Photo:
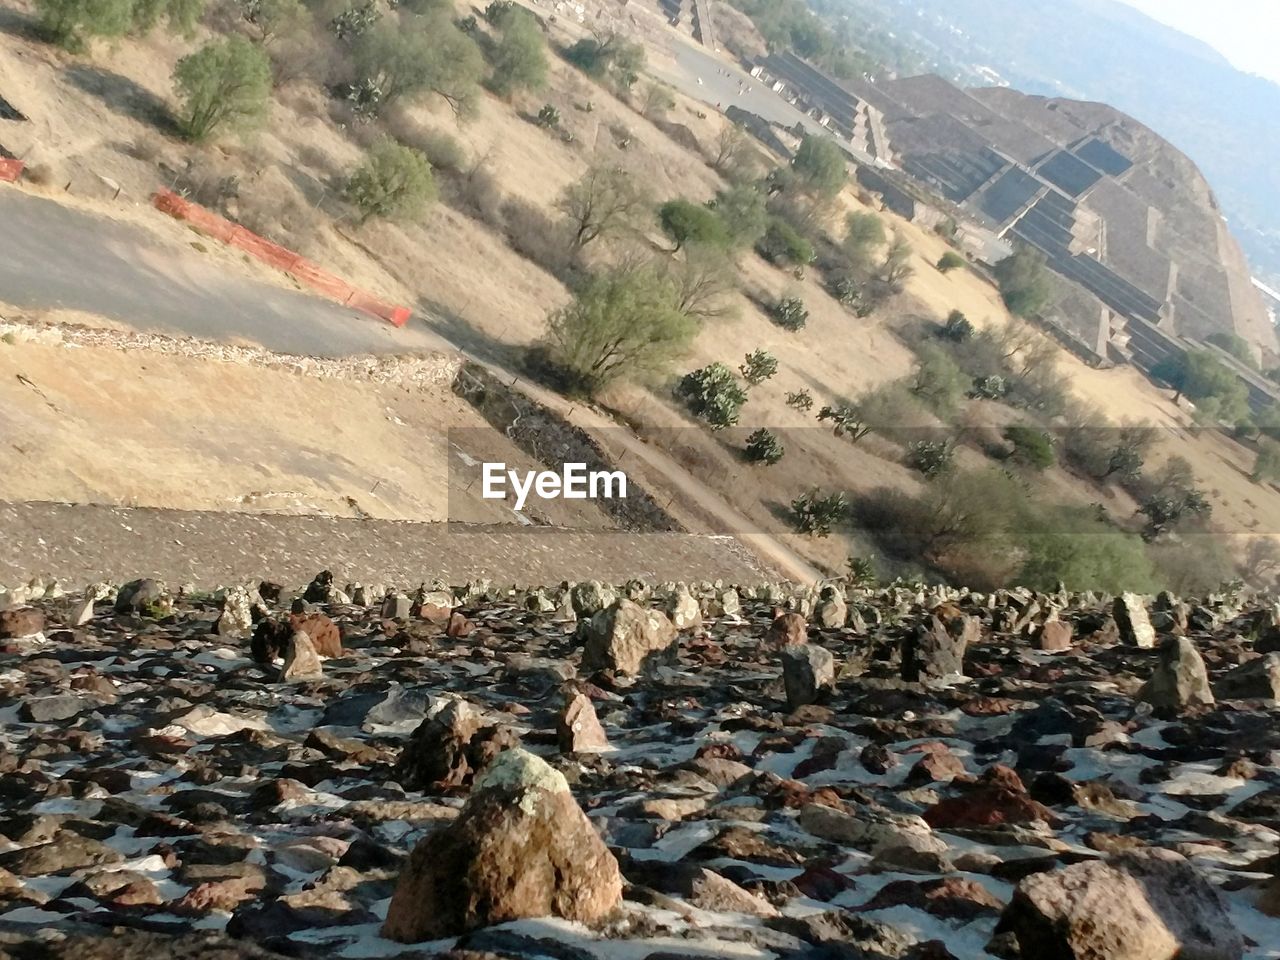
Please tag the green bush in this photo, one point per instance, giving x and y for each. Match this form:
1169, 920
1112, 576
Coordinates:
817, 515
691, 223
741, 208
764, 447
937, 381
622, 322
355, 22
1266, 467
957, 329
932, 458
848, 420
783, 244
519, 57
790, 313
226, 83
1031, 447
548, 117
1024, 282
712, 394
393, 182
429, 56
950, 261
758, 367
1074, 548
820, 165
861, 572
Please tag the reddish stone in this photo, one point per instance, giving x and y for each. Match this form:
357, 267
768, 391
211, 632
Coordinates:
986, 806
788, 629
458, 626
719, 751
989, 706
823, 883
323, 632
951, 898
938, 763
1053, 636
20, 622
434, 612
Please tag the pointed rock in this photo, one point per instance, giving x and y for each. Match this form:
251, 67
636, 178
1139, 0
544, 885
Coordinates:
301, 662
579, 729
521, 848
808, 672
1132, 621
1180, 679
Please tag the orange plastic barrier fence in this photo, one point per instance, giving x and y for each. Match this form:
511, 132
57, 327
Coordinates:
302, 270
10, 170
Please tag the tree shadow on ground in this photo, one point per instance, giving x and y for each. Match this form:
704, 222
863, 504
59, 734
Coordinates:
124, 96
18, 24
465, 335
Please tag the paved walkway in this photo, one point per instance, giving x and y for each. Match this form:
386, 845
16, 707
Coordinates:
82, 543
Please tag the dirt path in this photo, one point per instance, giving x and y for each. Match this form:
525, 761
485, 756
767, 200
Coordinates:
80, 543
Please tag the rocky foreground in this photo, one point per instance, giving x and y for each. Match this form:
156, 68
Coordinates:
637, 773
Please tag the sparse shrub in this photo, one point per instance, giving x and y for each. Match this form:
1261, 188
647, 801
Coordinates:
1166, 510
758, 367
713, 394
801, 400
852, 295
273, 19
950, 261
537, 237
497, 11
861, 572
621, 322
442, 149
393, 182
356, 21
657, 101
1031, 447
848, 420
223, 84
957, 329
549, 117
817, 515
783, 244
704, 278
896, 267
741, 208
993, 387
764, 447
930, 457
937, 381
790, 313
863, 232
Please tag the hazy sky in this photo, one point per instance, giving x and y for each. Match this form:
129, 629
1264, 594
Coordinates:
1246, 32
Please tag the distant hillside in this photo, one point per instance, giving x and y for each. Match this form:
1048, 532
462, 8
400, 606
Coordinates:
1102, 50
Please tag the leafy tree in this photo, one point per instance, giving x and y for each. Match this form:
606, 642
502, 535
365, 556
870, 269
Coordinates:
604, 202
1133, 442
849, 421
1235, 345
937, 381
1203, 379
224, 83
433, 58
1024, 282
71, 23
930, 457
741, 208
801, 400
1031, 447
758, 367
1266, 468
1078, 550
180, 16
764, 447
713, 394
394, 182
622, 322
820, 165
782, 243
950, 261
957, 329
863, 232
519, 58
691, 223
790, 313
1164, 511
896, 267
608, 56
816, 515
273, 19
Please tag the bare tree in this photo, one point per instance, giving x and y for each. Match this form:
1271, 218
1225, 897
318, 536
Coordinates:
729, 144
605, 201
